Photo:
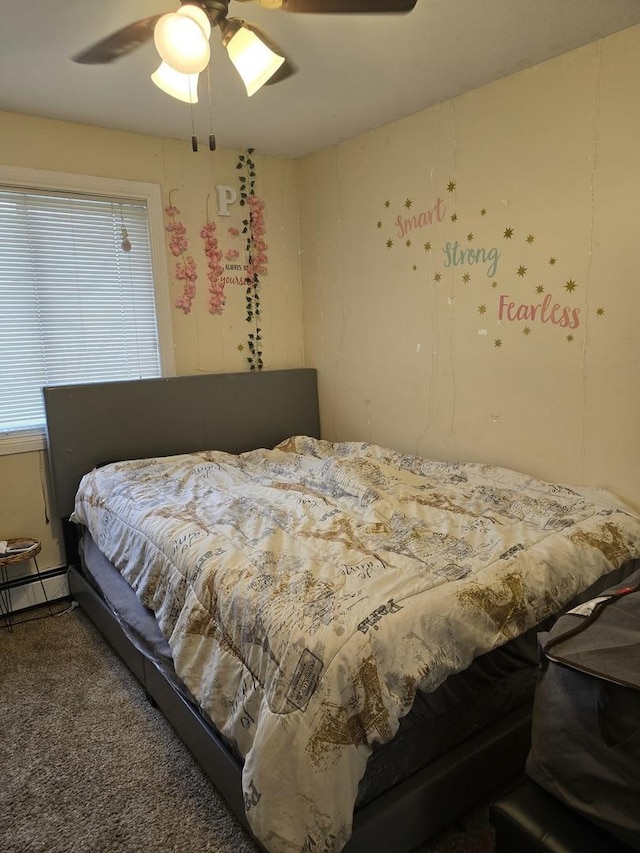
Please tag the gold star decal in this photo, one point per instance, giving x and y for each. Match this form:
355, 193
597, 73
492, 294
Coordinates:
569, 338
522, 271
437, 276
599, 311
389, 244
494, 284
466, 278
497, 343
508, 233
379, 224
570, 286
482, 309
240, 347
427, 247
408, 243
552, 261
540, 288
530, 239
414, 267
470, 236
526, 330
483, 212
454, 217
408, 203
387, 203
451, 186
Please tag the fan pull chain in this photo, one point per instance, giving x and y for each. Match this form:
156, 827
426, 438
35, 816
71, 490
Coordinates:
194, 138
212, 139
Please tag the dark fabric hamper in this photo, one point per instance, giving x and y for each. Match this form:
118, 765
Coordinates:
586, 723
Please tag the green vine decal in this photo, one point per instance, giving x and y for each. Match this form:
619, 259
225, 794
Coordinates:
256, 250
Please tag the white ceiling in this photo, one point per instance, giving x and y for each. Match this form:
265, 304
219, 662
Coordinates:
355, 72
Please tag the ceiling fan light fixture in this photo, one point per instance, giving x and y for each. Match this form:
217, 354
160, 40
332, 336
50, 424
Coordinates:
184, 87
197, 14
254, 55
182, 43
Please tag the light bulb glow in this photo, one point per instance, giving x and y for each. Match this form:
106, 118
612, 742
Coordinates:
184, 87
182, 43
198, 15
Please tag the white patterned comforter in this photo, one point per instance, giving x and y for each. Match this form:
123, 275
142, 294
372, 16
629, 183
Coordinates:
308, 591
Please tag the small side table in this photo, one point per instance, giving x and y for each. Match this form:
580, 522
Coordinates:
18, 550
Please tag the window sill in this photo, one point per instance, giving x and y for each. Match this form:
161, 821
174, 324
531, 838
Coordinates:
22, 442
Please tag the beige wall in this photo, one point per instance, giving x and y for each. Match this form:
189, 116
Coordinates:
432, 367
202, 342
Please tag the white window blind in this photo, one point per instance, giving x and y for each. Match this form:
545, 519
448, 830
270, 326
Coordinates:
74, 306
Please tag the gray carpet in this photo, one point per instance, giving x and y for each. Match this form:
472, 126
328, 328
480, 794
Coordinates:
89, 766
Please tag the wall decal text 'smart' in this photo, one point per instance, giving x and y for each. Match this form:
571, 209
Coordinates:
455, 254
518, 281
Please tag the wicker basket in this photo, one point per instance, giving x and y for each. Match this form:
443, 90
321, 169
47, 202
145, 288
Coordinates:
28, 549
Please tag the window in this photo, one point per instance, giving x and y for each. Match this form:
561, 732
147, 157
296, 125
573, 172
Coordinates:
75, 304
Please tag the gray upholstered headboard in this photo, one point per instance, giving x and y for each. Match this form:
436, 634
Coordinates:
88, 425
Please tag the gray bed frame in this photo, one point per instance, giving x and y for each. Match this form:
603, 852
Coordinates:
89, 425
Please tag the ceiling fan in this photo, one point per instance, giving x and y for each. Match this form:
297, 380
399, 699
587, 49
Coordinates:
182, 40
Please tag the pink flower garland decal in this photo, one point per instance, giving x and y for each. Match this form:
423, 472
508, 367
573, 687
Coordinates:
185, 267
258, 252
215, 269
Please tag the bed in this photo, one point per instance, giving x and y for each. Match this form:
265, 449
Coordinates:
399, 743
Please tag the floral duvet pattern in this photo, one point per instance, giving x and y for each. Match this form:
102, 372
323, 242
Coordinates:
308, 591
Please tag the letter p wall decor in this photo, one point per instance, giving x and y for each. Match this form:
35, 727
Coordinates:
226, 196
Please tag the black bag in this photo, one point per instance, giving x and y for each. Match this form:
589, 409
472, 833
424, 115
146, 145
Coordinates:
586, 721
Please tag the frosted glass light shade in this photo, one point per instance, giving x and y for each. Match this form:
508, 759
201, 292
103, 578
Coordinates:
184, 87
182, 44
198, 15
255, 60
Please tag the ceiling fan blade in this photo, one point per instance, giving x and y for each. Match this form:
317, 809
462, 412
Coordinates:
119, 43
348, 7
